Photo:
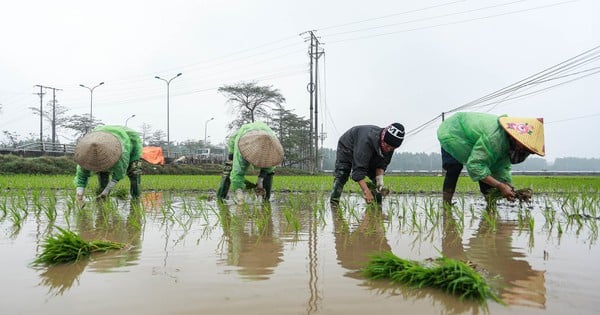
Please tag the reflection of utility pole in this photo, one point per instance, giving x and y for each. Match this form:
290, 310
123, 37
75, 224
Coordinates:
313, 270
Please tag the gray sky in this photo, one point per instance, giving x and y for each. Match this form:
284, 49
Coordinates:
384, 61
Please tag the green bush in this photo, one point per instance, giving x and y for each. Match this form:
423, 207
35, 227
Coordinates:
12, 164
49, 165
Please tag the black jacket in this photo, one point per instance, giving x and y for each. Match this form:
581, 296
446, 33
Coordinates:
359, 149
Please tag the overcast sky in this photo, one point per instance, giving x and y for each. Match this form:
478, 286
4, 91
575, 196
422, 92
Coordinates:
384, 61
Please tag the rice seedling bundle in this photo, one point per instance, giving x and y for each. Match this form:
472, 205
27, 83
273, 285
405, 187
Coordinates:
449, 275
67, 246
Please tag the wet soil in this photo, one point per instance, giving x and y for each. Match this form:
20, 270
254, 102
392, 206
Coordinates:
191, 256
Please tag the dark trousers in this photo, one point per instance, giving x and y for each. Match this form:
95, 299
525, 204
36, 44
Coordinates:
453, 169
135, 182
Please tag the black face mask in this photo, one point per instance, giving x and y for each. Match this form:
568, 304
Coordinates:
517, 156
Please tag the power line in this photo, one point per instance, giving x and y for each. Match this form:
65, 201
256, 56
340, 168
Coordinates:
391, 15
449, 23
586, 57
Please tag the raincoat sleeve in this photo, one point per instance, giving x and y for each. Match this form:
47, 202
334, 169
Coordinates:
360, 159
487, 159
502, 171
239, 165
81, 177
136, 145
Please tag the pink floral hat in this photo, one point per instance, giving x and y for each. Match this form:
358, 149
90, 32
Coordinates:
527, 131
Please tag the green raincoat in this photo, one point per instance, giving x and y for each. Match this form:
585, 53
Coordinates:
240, 165
131, 150
478, 141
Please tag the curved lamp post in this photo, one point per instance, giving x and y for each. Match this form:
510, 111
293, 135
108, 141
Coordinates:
168, 96
126, 120
91, 100
205, 125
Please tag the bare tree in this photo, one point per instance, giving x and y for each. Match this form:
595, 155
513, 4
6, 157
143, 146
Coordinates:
250, 101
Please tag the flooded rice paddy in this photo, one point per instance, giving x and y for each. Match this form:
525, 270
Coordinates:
186, 254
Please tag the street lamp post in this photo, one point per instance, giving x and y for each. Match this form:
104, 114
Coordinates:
126, 120
205, 125
168, 84
91, 101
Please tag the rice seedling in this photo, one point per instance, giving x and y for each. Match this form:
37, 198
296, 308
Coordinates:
67, 246
451, 276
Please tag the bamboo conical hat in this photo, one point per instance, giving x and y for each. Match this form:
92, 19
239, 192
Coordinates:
527, 131
98, 151
261, 148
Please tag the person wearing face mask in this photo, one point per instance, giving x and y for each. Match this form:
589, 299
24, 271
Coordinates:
488, 145
365, 151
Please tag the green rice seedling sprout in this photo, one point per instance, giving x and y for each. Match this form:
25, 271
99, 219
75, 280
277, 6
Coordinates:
449, 275
67, 246
491, 217
3, 207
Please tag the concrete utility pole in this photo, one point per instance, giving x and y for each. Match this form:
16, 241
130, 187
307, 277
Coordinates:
312, 87
317, 55
41, 94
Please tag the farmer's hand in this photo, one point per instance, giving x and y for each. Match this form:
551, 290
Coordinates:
79, 196
507, 191
368, 196
239, 196
259, 190
379, 182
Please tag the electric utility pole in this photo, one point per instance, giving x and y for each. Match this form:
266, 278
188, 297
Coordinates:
41, 94
313, 135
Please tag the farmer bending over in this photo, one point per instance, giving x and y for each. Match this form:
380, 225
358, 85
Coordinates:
365, 151
253, 144
109, 151
487, 145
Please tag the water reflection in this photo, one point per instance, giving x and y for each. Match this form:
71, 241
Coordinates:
353, 245
491, 250
250, 241
106, 224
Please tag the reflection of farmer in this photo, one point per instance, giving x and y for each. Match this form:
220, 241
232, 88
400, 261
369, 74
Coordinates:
365, 151
253, 144
113, 226
487, 145
353, 248
108, 225
254, 249
493, 252
110, 151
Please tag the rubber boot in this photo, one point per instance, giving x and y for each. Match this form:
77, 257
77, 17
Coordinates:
135, 181
267, 185
447, 195
378, 198
134, 172
103, 179
223, 187
225, 181
336, 193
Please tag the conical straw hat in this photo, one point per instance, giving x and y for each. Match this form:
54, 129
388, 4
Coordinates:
98, 151
527, 131
261, 148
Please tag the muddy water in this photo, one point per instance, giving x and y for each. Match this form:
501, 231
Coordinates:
191, 256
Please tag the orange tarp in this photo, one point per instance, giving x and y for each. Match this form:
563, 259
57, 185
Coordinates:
153, 155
